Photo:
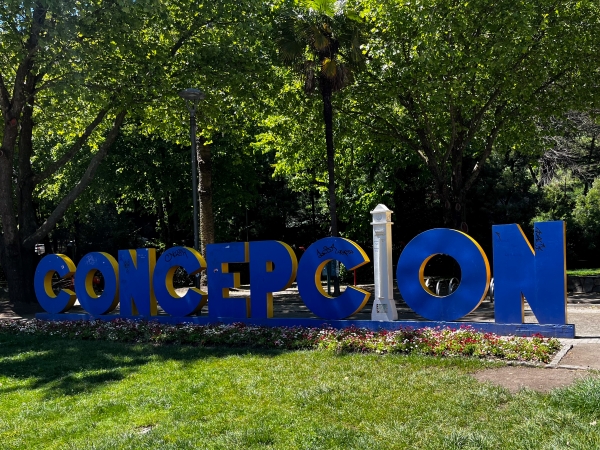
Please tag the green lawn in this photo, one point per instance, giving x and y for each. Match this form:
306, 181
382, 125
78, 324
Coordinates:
57, 393
584, 272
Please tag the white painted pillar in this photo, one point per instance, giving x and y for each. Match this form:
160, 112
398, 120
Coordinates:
384, 307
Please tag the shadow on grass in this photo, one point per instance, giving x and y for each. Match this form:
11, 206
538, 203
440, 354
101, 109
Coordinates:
68, 367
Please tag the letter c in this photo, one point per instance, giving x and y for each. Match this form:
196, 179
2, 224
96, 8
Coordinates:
309, 278
42, 284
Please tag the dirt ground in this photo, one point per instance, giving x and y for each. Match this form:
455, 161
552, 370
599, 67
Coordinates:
515, 378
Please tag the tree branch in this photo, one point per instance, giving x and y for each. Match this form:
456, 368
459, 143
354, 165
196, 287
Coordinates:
85, 180
4, 97
425, 150
18, 100
190, 32
489, 145
475, 122
56, 165
533, 175
452, 142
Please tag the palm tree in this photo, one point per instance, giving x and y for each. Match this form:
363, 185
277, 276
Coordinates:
321, 40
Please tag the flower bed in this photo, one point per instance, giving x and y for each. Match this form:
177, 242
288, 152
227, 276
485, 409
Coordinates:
464, 341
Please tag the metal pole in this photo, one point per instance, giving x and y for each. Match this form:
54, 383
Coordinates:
195, 186
247, 239
191, 97
194, 177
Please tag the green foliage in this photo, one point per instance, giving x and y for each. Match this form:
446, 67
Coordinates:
570, 143
505, 193
586, 215
368, 167
557, 202
426, 341
136, 56
448, 93
143, 193
565, 198
250, 202
322, 42
321, 39
559, 198
453, 81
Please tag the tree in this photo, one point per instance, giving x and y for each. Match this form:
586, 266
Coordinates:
454, 80
321, 39
56, 58
586, 215
572, 141
69, 74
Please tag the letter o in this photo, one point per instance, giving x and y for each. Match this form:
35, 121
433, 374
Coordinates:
475, 274
84, 283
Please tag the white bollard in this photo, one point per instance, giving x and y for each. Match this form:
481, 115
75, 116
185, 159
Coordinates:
384, 307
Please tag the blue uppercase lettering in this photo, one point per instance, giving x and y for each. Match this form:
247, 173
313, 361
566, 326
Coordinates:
534, 272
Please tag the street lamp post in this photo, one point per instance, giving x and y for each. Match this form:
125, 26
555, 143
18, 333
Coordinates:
192, 97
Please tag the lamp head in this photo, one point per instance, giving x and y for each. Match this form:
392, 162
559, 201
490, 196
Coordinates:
192, 95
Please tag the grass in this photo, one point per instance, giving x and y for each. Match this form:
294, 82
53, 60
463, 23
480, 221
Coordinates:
60, 394
584, 272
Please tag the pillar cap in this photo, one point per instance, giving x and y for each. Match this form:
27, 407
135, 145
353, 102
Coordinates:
381, 214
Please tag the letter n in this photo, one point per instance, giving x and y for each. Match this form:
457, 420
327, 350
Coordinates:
136, 293
537, 274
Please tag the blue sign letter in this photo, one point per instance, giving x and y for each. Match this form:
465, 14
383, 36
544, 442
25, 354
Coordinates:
84, 283
537, 274
309, 278
192, 262
220, 280
42, 284
273, 266
136, 293
474, 268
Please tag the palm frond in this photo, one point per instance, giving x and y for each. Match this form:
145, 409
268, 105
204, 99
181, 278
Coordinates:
310, 79
343, 77
290, 40
328, 8
329, 68
355, 17
320, 41
290, 50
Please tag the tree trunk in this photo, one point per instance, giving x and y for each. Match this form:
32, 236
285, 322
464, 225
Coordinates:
586, 186
169, 208
313, 220
19, 268
326, 92
17, 264
454, 202
19, 232
207, 222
